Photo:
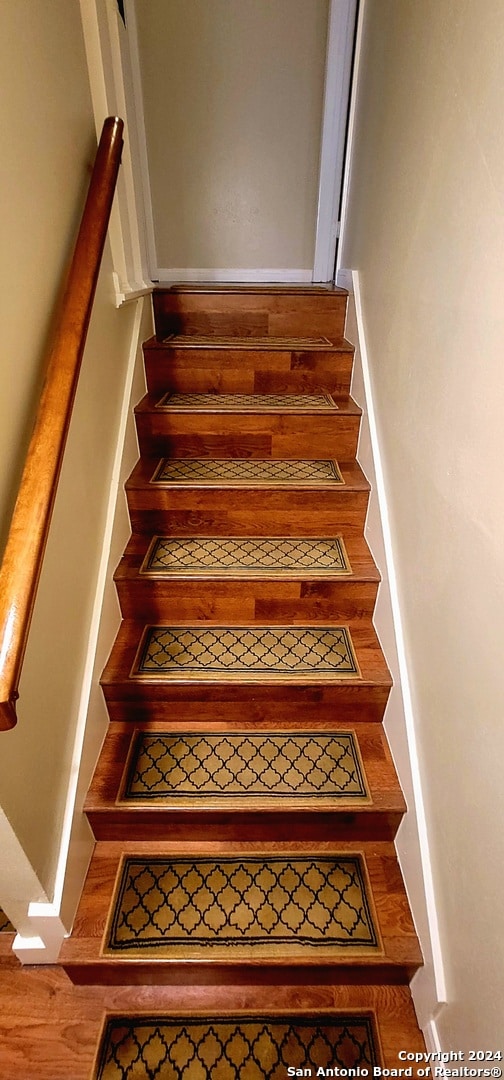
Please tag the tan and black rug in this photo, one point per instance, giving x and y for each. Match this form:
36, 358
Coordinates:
233, 766
234, 1047
247, 472
234, 907
216, 341
251, 653
246, 556
256, 403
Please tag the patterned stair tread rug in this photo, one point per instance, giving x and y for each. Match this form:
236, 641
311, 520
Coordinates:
236, 908
6, 926
223, 341
247, 556
256, 403
233, 1047
246, 653
248, 472
229, 767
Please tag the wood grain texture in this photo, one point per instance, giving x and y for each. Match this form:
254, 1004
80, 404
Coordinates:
189, 509
251, 311
24, 553
231, 599
396, 960
378, 819
254, 371
168, 432
49, 1028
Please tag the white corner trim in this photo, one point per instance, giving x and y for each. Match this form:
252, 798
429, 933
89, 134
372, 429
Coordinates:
428, 986
35, 951
163, 274
52, 910
336, 93
344, 280
133, 291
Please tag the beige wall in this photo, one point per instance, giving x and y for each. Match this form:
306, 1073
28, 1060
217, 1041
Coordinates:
426, 233
48, 143
233, 96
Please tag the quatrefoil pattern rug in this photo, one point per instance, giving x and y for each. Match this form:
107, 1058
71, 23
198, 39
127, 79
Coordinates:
233, 1047
184, 768
256, 403
202, 907
246, 556
253, 653
248, 472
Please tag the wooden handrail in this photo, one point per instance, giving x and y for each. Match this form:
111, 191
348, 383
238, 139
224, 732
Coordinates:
26, 543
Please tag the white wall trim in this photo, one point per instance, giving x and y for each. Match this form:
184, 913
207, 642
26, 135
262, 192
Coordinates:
79, 870
352, 114
428, 986
340, 39
41, 933
163, 274
143, 157
111, 81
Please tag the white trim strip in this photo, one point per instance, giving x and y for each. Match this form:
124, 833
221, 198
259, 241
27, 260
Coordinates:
86, 686
163, 275
434, 932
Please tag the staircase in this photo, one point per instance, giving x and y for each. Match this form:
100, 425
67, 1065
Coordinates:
245, 802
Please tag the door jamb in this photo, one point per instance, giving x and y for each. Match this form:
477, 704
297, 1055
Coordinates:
340, 42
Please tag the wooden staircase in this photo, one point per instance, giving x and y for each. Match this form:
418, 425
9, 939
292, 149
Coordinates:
245, 758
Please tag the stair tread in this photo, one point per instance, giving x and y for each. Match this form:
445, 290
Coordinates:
235, 341
379, 788
247, 557
386, 935
173, 402
260, 344
316, 289
274, 405
321, 477
129, 641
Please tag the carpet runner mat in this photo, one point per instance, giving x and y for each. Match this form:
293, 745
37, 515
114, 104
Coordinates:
255, 472
257, 653
264, 767
234, 1047
239, 908
256, 403
6, 926
214, 341
246, 556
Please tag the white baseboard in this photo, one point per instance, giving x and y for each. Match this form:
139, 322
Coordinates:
42, 931
428, 986
431, 1036
169, 274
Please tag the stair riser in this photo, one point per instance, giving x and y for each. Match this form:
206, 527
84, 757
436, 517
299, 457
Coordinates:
139, 973
253, 314
136, 824
346, 704
205, 371
242, 435
273, 601
246, 512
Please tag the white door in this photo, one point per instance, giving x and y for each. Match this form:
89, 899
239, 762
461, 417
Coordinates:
244, 107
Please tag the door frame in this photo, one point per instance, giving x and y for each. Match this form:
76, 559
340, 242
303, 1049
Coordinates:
114, 74
340, 48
